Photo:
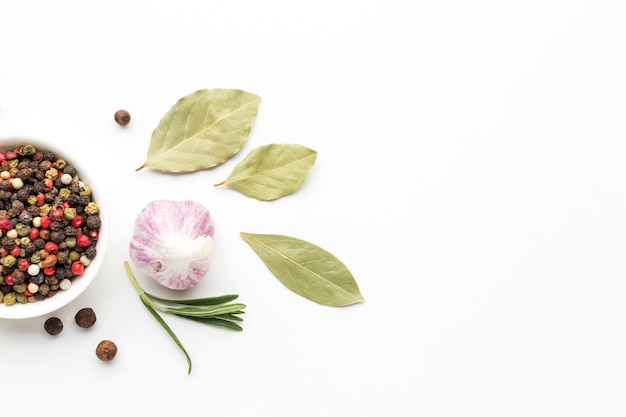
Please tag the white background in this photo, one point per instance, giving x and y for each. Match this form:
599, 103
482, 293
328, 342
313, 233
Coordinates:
470, 174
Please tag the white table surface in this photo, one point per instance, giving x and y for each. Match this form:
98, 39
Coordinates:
470, 174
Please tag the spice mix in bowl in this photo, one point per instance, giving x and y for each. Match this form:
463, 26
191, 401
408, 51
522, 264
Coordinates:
53, 231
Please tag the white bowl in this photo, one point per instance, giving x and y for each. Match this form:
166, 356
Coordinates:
81, 282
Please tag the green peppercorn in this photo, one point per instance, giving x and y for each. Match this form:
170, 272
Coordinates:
44, 209
64, 193
9, 299
9, 261
44, 289
22, 229
70, 242
70, 212
26, 150
61, 163
84, 190
92, 208
52, 173
35, 258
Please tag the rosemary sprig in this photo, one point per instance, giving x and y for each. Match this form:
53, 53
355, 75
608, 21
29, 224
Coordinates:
214, 311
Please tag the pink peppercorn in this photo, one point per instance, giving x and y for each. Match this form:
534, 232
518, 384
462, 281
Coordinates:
23, 264
33, 233
16, 251
51, 247
45, 222
78, 221
8, 279
77, 267
49, 271
5, 225
56, 213
47, 183
82, 241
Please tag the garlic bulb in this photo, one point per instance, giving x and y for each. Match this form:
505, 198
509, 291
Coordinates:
172, 242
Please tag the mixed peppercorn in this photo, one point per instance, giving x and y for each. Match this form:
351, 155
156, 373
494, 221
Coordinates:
49, 225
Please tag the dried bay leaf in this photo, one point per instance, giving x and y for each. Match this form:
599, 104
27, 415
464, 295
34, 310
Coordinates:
272, 171
202, 130
306, 269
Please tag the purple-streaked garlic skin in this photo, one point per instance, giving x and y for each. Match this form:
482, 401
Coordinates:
172, 242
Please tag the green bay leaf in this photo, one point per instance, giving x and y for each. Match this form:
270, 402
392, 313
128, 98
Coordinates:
202, 130
272, 171
306, 269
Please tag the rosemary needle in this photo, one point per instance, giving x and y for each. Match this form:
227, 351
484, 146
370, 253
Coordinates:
215, 311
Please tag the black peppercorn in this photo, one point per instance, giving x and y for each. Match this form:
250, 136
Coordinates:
83, 200
93, 222
85, 317
37, 279
70, 170
69, 231
122, 117
33, 210
61, 273
91, 252
106, 350
57, 236
22, 194
53, 326
39, 243
25, 217
63, 256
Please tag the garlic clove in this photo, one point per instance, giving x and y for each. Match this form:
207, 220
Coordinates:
172, 242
